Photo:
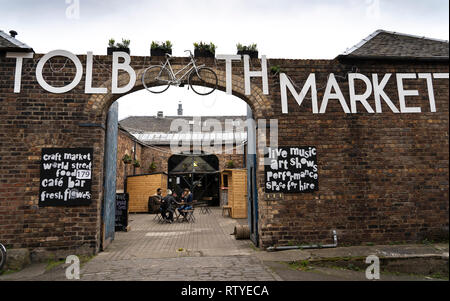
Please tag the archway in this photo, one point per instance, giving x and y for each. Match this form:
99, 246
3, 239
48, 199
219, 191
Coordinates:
258, 104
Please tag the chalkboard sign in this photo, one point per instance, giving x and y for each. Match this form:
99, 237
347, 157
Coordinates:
66, 177
291, 170
121, 211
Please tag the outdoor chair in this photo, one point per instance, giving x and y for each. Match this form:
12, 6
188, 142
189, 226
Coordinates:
187, 215
158, 217
203, 207
226, 209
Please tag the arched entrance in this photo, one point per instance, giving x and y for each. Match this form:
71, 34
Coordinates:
258, 107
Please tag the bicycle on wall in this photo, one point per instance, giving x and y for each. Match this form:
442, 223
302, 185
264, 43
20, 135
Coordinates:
2, 256
201, 79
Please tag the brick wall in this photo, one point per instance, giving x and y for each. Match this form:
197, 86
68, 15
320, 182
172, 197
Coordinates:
382, 177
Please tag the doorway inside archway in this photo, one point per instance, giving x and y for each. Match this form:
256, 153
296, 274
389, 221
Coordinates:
199, 173
145, 136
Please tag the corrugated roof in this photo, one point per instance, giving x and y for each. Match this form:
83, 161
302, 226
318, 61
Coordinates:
10, 44
156, 130
153, 124
166, 139
393, 45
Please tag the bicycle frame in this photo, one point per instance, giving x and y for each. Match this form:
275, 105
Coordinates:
176, 80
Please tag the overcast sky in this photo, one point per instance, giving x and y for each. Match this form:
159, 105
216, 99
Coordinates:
301, 29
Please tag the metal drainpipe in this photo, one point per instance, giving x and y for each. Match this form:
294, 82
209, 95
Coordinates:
135, 151
283, 248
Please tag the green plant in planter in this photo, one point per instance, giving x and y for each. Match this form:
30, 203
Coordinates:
251, 47
167, 45
124, 44
127, 159
251, 50
112, 43
160, 48
204, 49
152, 166
230, 164
136, 163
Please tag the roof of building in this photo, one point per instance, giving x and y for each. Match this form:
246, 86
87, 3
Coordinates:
156, 130
10, 44
398, 46
154, 124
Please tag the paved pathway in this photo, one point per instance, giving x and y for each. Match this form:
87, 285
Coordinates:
203, 250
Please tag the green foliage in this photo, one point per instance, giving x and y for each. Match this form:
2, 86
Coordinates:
127, 159
166, 46
51, 263
124, 44
136, 163
251, 47
275, 69
205, 47
300, 265
111, 42
152, 166
230, 164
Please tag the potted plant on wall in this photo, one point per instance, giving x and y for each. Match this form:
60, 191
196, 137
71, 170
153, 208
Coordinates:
111, 46
204, 50
127, 159
123, 46
251, 50
230, 164
152, 166
160, 48
136, 163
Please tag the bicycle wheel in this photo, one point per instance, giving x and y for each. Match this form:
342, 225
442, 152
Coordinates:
203, 81
156, 79
2, 256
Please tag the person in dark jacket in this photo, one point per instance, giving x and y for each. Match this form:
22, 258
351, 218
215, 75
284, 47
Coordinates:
154, 201
168, 205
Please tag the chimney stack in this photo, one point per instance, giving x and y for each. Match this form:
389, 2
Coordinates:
180, 109
160, 114
13, 33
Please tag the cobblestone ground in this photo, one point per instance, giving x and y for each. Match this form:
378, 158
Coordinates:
198, 251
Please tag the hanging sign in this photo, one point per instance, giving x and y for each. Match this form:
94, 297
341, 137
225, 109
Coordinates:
66, 177
291, 170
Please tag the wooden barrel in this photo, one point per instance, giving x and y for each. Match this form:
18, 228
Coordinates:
241, 232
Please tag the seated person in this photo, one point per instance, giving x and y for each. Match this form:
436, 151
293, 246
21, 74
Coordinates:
168, 206
187, 200
154, 201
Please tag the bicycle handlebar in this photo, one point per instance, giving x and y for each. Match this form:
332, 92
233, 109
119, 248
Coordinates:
190, 52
